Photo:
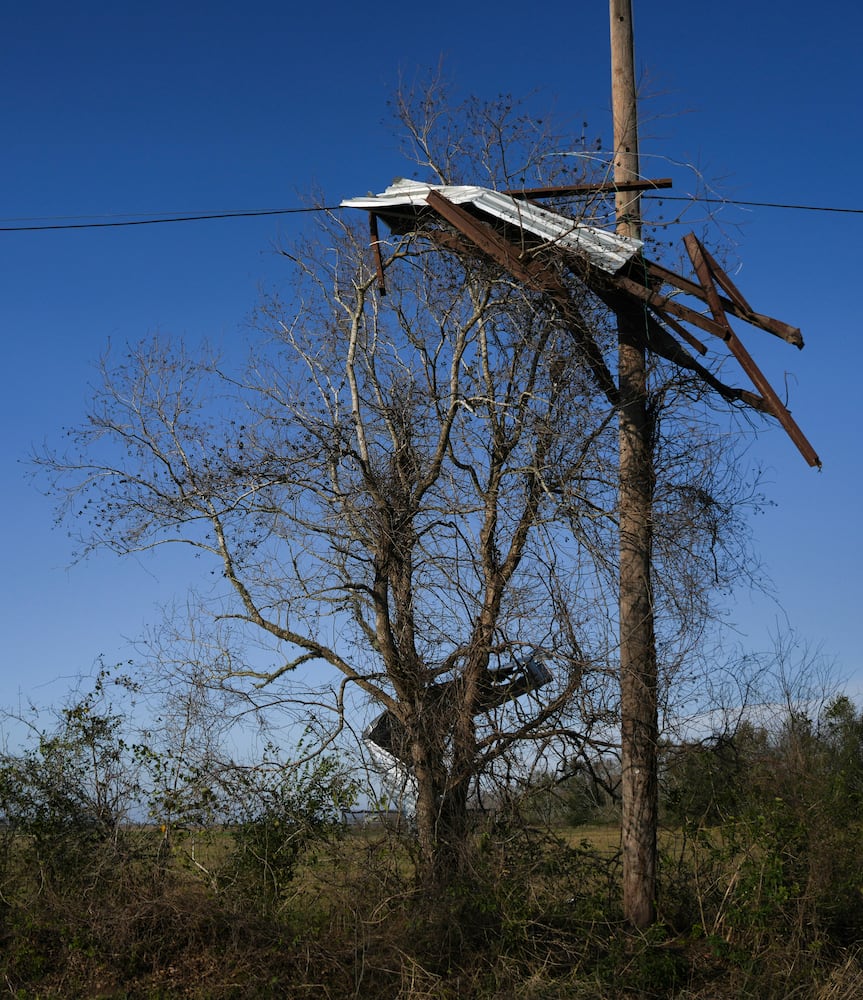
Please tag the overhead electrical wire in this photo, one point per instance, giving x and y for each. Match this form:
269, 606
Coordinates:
119, 221
735, 202
159, 220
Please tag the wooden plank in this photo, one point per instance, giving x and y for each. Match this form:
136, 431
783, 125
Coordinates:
602, 187
664, 304
790, 334
759, 380
376, 250
682, 332
678, 281
659, 341
726, 283
535, 275
486, 239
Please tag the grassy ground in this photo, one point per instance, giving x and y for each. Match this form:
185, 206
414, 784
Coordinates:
536, 917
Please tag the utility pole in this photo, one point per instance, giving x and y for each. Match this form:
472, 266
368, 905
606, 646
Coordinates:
638, 674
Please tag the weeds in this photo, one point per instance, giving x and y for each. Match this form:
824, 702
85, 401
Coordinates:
760, 895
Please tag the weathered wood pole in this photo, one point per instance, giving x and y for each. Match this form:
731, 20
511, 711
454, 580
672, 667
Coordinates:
639, 784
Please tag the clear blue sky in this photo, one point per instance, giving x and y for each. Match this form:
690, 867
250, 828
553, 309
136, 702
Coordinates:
157, 107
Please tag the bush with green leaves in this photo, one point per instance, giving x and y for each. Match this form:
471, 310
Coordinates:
69, 794
769, 877
276, 812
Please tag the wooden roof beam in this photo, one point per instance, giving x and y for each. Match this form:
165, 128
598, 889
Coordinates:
736, 305
663, 304
703, 270
658, 340
535, 275
602, 187
376, 250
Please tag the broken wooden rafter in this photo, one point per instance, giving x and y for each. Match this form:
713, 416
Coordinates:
663, 304
701, 262
602, 187
735, 304
659, 341
376, 250
535, 275
684, 334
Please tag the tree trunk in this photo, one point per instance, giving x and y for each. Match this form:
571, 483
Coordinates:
443, 779
442, 833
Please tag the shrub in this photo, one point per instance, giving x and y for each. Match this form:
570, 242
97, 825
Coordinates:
276, 813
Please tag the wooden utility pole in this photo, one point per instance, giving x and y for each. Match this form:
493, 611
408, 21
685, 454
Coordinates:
639, 727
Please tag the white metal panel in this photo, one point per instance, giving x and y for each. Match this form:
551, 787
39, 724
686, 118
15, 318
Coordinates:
605, 250
405, 192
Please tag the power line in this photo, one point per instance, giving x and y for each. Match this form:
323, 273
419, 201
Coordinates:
734, 202
159, 220
119, 222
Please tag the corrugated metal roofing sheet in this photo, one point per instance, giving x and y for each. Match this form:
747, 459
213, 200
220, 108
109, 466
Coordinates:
605, 250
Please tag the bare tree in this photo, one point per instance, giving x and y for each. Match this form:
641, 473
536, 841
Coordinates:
381, 490
413, 492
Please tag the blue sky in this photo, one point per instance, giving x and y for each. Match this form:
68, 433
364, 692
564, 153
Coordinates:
144, 108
